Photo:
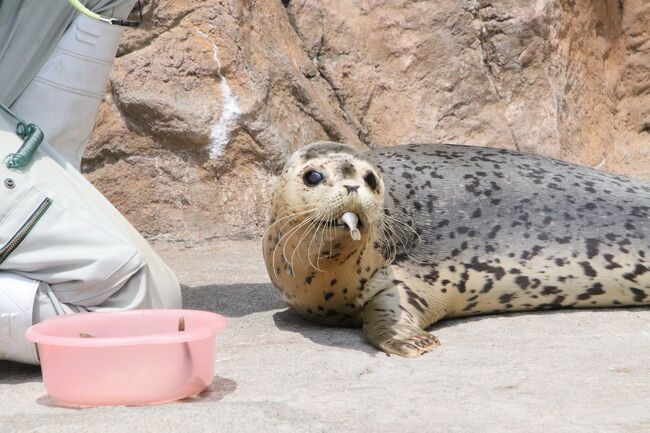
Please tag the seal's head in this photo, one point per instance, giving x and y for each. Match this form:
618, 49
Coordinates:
325, 210
333, 185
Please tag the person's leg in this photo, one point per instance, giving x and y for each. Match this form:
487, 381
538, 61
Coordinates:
64, 97
55, 228
17, 295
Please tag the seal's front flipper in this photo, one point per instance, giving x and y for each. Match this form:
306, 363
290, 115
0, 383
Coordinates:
394, 321
403, 340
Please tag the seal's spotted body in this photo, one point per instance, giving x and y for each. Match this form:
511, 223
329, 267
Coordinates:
505, 231
496, 231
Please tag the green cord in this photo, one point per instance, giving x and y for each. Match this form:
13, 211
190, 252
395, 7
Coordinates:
32, 137
95, 16
84, 10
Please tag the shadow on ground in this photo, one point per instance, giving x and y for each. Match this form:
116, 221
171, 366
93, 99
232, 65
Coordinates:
451, 322
238, 300
233, 300
351, 338
342, 338
12, 373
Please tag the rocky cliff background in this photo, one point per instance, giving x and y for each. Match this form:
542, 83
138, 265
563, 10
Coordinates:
208, 98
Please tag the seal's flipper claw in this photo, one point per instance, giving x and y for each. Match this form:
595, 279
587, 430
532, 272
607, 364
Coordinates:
410, 344
397, 326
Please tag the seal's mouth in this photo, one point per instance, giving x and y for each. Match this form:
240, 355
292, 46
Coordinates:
352, 222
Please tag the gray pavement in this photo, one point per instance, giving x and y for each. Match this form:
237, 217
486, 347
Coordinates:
568, 371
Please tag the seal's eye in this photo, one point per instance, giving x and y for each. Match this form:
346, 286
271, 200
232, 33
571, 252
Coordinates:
371, 180
312, 178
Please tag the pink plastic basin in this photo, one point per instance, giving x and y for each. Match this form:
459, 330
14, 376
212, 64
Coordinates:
133, 357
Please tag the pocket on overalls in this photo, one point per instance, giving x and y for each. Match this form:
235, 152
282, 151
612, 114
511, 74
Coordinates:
47, 237
21, 208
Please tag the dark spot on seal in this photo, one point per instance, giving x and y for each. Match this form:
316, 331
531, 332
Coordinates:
494, 231
596, 289
328, 295
462, 284
347, 169
592, 247
487, 286
588, 270
442, 223
522, 281
332, 282
432, 276
507, 297
639, 269
362, 283
611, 264
416, 300
308, 278
639, 295
527, 255
551, 290
478, 266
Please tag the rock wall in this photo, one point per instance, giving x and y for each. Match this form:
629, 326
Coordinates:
208, 98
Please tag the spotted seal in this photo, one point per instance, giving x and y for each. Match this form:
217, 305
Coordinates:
395, 239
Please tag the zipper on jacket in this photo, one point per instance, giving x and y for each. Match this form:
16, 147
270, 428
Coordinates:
21, 234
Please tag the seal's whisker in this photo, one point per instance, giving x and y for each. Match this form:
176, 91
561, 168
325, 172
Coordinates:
290, 233
310, 261
305, 232
294, 230
397, 227
396, 234
317, 227
313, 225
321, 226
330, 227
398, 221
324, 225
320, 244
388, 233
293, 215
292, 212
387, 240
401, 225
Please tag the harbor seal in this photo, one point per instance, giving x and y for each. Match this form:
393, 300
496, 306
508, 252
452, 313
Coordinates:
395, 239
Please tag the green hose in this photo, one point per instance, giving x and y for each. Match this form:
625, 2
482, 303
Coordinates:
84, 10
32, 137
95, 16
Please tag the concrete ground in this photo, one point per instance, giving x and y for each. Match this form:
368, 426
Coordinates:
569, 371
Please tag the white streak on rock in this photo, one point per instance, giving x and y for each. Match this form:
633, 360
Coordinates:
230, 111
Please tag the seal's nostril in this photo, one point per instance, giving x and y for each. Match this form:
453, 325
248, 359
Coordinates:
351, 188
